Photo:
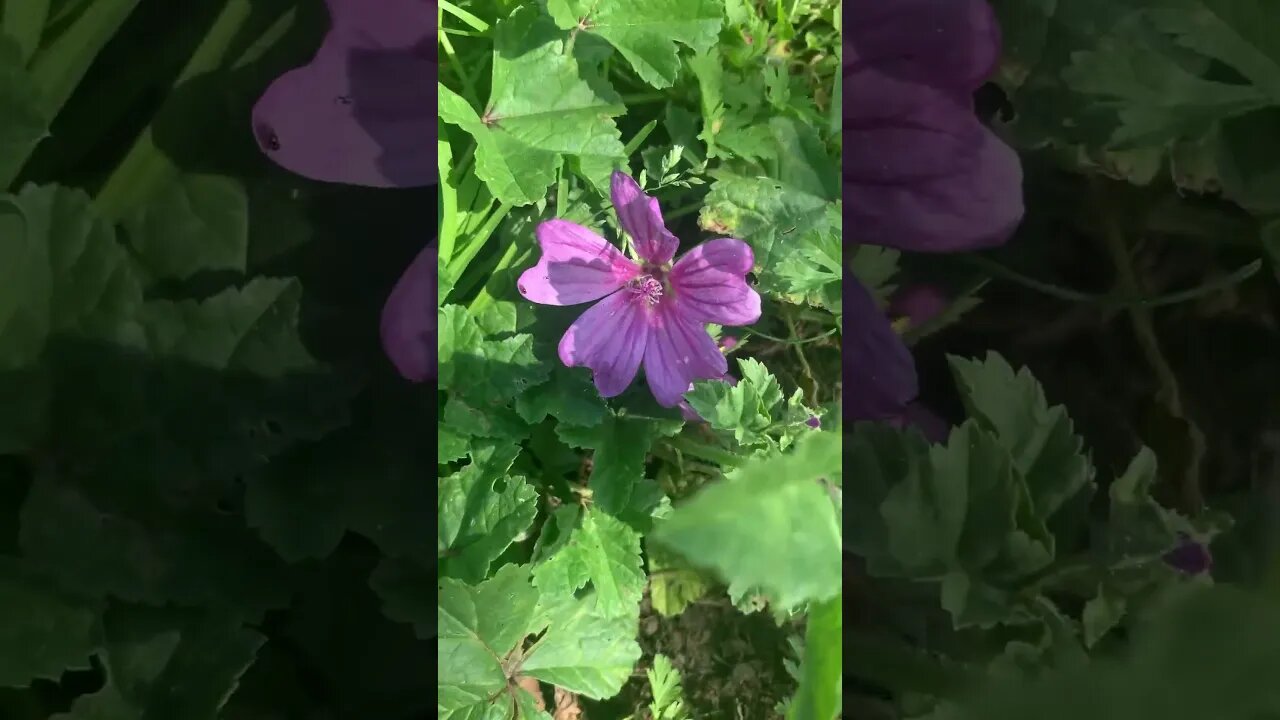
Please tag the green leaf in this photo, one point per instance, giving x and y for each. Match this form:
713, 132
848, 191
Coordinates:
479, 626
168, 664
44, 631
812, 267
1101, 614
820, 691
60, 65
1041, 439
621, 445
668, 696
195, 223
1198, 652
569, 397
1138, 527
482, 509
1156, 98
771, 216
68, 276
958, 513
539, 110
24, 22
1234, 32
584, 650
791, 548
673, 584
875, 267
25, 121
803, 162
746, 408
252, 329
369, 477
645, 31
753, 409
488, 373
604, 551
404, 587
93, 548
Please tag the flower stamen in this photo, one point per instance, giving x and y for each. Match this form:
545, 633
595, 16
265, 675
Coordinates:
647, 287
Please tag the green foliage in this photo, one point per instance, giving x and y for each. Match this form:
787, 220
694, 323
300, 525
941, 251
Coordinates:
790, 551
540, 109
1197, 653
664, 680
820, 689
753, 410
645, 33
1144, 86
984, 514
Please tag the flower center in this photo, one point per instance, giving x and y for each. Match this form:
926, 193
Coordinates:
647, 287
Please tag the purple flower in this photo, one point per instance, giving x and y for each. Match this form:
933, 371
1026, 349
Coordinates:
363, 111
918, 303
921, 172
408, 326
1190, 556
650, 311
876, 357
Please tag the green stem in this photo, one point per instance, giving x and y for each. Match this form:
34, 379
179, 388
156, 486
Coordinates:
1122, 300
783, 341
642, 98
477, 241
1169, 395
459, 68
512, 256
476, 23
144, 168
681, 212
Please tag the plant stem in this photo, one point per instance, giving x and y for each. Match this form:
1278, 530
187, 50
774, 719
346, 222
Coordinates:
477, 241
144, 168
476, 23
1169, 395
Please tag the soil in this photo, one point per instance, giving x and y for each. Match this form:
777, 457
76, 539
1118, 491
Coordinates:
730, 663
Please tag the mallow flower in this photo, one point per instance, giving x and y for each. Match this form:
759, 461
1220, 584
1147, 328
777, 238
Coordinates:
408, 324
921, 172
650, 311
363, 111
1190, 556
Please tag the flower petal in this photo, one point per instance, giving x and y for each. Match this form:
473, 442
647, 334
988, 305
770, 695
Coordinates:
946, 43
679, 352
919, 303
641, 218
935, 180
363, 111
408, 324
576, 266
711, 284
878, 368
610, 338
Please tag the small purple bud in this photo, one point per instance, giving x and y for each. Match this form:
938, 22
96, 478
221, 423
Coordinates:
1190, 557
919, 303
813, 422
728, 342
